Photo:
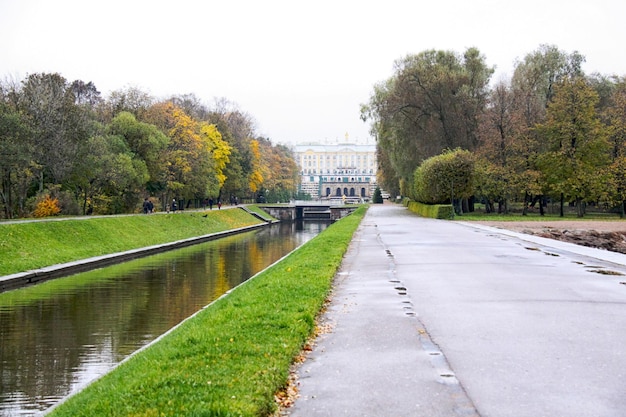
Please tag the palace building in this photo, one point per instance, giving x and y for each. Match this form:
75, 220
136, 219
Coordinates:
342, 171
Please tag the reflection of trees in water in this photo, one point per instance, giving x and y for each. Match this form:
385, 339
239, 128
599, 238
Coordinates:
84, 324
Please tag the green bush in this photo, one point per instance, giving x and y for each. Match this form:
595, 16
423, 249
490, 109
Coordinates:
444, 177
433, 211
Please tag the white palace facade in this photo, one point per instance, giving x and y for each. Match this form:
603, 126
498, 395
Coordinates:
342, 171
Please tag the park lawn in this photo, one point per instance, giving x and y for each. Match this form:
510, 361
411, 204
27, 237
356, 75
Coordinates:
518, 217
37, 244
232, 357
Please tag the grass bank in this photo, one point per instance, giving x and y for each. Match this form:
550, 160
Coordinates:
32, 245
233, 356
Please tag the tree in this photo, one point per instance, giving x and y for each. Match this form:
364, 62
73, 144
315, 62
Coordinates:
57, 125
109, 179
507, 151
85, 94
146, 142
386, 175
432, 103
237, 128
191, 105
255, 178
196, 156
577, 153
377, 198
132, 100
509, 145
279, 171
220, 151
535, 77
614, 114
15, 159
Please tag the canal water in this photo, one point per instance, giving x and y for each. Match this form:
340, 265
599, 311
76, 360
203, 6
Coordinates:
58, 336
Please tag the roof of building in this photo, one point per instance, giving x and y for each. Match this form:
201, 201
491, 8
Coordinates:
336, 147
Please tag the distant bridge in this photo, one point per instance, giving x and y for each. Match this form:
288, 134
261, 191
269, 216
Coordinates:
307, 210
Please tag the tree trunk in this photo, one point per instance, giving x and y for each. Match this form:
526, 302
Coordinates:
562, 210
5, 193
465, 205
525, 209
470, 204
580, 209
85, 203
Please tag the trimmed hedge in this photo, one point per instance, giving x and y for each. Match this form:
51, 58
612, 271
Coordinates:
433, 211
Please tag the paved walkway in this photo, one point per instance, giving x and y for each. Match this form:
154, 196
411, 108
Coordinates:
437, 318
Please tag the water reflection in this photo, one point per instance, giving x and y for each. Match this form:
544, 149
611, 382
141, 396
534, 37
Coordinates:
58, 336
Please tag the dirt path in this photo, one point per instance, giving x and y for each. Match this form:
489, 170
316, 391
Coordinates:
605, 234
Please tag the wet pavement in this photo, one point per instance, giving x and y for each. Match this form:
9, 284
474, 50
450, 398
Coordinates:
439, 318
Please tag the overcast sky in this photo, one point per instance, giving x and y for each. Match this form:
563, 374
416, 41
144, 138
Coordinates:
301, 69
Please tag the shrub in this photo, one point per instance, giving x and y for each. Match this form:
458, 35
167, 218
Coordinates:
444, 177
68, 204
433, 211
47, 207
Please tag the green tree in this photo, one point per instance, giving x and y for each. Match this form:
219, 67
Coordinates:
146, 142
508, 151
431, 103
15, 159
377, 198
109, 179
535, 77
614, 113
58, 127
575, 163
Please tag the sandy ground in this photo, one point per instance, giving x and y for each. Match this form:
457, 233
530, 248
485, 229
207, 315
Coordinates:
535, 226
604, 234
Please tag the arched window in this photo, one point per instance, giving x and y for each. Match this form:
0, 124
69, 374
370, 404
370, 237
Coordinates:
338, 192
327, 191
362, 192
351, 192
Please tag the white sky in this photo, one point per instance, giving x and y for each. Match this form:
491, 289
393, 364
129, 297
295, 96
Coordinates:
301, 69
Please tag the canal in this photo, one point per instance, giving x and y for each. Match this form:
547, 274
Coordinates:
58, 336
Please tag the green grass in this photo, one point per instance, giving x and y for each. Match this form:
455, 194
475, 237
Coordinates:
256, 209
514, 217
232, 357
27, 246
551, 214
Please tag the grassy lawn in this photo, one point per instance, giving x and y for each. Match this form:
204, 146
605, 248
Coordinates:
233, 356
551, 213
26, 246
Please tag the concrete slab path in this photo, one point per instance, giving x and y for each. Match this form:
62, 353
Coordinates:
439, 318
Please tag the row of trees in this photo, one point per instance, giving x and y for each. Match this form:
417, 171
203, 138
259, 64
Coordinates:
550, 131
64, 141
